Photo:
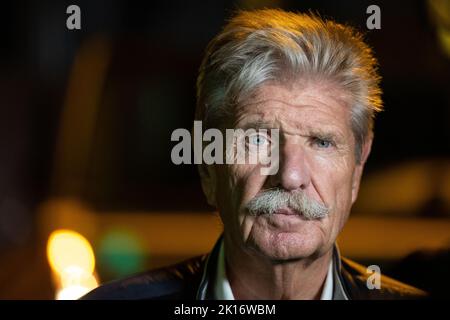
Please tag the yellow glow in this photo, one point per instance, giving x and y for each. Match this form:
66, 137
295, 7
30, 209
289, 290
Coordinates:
444, 38
77, 276
72, 260
67, 249
75, 282
72, 292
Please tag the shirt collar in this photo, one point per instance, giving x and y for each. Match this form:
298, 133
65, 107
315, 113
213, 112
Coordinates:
221, 285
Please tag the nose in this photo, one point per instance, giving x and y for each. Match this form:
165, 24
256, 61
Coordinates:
294, 172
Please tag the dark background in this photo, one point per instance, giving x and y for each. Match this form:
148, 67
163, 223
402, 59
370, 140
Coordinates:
151, 51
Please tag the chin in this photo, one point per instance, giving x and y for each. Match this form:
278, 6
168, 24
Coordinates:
287, 245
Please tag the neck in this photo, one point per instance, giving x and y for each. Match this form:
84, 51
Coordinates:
253, 277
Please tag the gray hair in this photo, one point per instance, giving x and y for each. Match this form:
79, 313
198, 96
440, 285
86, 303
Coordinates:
274, 45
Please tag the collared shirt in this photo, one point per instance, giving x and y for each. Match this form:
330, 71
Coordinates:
222, 288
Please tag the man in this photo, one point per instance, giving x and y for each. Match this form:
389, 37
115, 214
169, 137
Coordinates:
316, 82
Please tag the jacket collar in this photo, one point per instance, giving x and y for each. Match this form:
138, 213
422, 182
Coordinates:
205, 291
339, 292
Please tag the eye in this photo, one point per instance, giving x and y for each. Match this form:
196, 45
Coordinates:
257, 140
322, 143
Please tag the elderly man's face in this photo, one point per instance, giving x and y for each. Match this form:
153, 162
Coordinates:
317, 157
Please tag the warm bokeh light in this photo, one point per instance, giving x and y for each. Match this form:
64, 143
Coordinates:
72, 260
66, 249
71, 293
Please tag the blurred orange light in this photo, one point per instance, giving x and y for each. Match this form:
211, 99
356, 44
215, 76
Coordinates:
72, 259
68, 248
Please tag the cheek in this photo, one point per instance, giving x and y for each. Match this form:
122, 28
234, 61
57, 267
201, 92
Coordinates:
249, 183
333, 180
236, 185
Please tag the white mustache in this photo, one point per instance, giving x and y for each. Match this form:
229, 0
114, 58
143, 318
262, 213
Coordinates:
272, 200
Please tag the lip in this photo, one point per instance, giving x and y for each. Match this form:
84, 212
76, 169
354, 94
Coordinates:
287, 212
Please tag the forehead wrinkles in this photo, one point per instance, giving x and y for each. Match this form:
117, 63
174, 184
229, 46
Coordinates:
275, 113
295, 92
323, 94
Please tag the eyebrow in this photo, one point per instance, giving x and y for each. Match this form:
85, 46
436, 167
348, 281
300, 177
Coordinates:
325, 134
256, 124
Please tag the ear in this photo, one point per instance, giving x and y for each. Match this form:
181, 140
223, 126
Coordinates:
367, 146
208, 181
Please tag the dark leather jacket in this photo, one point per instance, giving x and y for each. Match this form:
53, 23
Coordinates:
189, 280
